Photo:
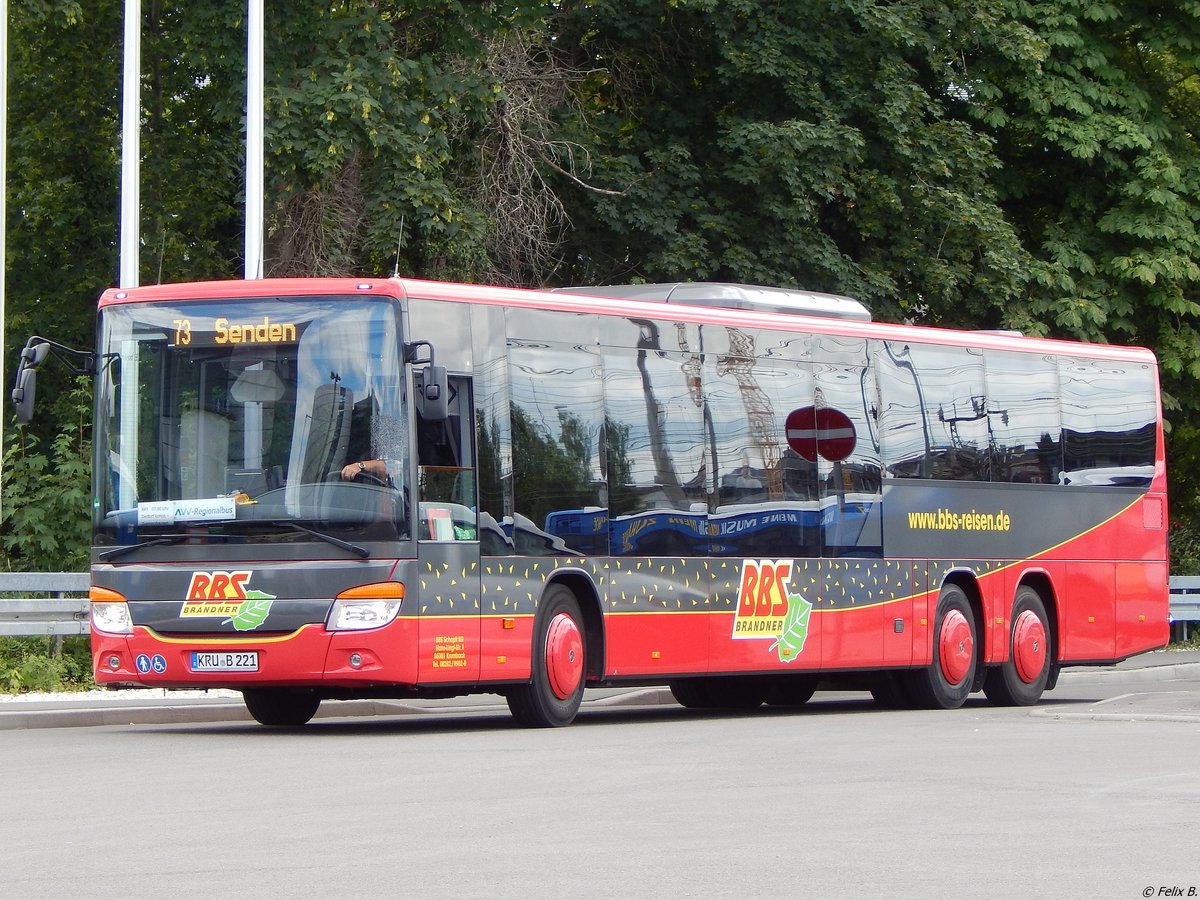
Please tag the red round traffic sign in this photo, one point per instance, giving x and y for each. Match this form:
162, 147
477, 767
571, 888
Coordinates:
826, 431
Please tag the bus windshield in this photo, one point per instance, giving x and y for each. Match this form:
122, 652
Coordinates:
253, 414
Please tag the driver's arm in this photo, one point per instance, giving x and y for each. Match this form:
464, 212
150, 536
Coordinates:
376, 468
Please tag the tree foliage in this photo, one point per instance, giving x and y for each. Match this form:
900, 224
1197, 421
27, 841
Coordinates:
813, 145
983, 163
45, 523
1101, 175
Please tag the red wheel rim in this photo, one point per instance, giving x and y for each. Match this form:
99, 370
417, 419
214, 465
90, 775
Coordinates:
564, 656
1029, 646
956, 647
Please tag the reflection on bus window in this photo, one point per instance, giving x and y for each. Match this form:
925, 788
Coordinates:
1024, 419
1109, 423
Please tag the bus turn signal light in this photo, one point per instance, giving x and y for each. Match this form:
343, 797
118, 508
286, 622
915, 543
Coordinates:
379, 590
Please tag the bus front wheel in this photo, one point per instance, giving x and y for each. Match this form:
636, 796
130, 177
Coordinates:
555, 690
946, 683
281, 708
1021, 679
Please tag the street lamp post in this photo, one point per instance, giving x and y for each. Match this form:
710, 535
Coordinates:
254, 140
131, 116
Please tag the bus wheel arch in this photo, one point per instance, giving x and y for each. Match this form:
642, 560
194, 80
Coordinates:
560, 662
593, 620
1029, 667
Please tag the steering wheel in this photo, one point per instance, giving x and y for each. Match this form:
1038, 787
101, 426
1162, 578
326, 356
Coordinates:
362, 477
365, 477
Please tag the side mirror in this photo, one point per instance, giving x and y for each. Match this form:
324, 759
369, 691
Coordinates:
23, 395
25, 389
433, 395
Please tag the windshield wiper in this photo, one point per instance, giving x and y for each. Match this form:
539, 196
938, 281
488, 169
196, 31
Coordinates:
361, 552
164, 539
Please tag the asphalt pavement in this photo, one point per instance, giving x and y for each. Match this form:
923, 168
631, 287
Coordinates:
158, 707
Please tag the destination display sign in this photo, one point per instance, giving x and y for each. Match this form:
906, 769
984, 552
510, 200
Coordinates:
222, 331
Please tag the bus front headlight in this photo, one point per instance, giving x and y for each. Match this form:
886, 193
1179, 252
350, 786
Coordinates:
112, 618
366, 606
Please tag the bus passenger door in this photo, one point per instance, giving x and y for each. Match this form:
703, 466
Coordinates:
448, 542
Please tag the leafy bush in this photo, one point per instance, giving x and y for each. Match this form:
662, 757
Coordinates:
1184, 537
45, 520
28, 664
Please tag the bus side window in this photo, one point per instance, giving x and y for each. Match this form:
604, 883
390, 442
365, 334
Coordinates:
434, 444
445, 459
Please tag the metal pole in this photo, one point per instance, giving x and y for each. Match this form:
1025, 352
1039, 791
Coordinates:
254, 140
131, 120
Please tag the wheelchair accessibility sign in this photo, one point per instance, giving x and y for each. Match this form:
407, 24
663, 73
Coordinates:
147, 664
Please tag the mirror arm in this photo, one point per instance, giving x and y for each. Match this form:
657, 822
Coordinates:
410, 352
77, 362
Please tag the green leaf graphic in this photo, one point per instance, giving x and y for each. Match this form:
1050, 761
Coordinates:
795, 629
253, 611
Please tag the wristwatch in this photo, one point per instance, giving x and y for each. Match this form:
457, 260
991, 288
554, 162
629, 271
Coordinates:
362, 466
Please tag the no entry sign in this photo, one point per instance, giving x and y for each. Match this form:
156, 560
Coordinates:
826, 431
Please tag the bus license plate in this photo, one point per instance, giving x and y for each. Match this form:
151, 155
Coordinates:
224, 661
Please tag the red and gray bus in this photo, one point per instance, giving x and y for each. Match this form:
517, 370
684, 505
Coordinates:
323, 489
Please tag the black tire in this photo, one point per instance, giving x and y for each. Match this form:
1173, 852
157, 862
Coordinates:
720, 692
791, 690
737, 692
280, 707
692, 693
1020, 680
552, 697
890, 691
947, 681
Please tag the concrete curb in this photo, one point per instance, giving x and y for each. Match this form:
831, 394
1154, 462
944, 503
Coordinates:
120, 709
1168, 672
181, 709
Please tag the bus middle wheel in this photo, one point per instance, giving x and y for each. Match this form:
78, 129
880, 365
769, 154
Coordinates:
946, 682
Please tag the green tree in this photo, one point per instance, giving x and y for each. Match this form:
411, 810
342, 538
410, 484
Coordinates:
1023, 163
1101, 179
1101, 174
62, 176
814, 145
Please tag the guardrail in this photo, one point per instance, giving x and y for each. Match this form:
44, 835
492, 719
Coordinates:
55, 614
1185, 603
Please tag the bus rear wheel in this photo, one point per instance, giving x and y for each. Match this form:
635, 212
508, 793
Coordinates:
553, 694
280, 707
946, 683
1021, 679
